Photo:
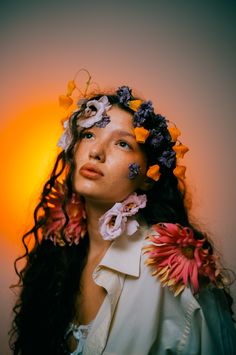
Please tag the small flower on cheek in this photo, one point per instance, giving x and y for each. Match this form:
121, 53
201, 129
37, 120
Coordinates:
134, 170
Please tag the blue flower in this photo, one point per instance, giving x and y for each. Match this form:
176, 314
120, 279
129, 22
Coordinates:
124, 94
168, 158
134, 169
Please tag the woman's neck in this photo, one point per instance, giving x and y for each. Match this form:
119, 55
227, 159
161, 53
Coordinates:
96, 243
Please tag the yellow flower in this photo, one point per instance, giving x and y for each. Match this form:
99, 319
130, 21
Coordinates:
141, 134
153, 172
65, 101
179, 171
134, 104
180, 150
70, 87
174, 132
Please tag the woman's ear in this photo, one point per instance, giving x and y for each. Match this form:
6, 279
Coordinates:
147, 184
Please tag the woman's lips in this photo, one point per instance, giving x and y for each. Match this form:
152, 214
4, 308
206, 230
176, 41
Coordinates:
90, 171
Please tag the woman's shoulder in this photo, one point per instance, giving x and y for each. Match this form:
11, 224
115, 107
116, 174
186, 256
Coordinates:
186, 281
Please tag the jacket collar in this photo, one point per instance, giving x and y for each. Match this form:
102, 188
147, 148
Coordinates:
124, 253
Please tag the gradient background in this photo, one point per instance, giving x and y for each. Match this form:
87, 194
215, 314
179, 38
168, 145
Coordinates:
179, 54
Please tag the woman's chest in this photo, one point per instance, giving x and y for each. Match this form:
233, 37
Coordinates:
90, 298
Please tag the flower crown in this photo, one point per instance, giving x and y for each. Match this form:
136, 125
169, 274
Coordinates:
158, 134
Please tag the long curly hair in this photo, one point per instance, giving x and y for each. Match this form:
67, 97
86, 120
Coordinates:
50, 280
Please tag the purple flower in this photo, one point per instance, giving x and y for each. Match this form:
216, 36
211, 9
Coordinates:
145, 109
155, 138
103, 122
124, 94
160, 121
138, 121
168, 158
167, 135
134, 169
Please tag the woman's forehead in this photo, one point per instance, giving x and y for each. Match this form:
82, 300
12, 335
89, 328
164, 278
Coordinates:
120, 119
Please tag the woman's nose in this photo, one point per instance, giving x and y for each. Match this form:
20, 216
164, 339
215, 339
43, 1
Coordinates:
97, 152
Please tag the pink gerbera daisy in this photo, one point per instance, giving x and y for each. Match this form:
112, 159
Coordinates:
179, 258
56, 221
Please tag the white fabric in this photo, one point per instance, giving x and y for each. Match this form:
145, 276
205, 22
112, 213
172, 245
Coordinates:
80, 333
139, 317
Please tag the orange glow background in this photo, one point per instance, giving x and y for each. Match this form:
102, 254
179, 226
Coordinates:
181, 55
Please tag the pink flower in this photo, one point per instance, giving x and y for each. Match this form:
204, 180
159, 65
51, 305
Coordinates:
56, 221
133, 203
178, 258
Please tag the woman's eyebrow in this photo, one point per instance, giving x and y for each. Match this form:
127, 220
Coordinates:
124, 133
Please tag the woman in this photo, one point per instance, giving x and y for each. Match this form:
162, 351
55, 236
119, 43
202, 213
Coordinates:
116, 267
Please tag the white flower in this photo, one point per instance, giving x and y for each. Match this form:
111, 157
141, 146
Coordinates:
132, 226
90, 116
112, 223
133, 203
116, 220
66, 137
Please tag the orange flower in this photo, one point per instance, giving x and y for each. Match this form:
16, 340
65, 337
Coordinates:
153, 172
70, 87
174, 132
179, 171
180, 150
141, 134
134, 104
65, 101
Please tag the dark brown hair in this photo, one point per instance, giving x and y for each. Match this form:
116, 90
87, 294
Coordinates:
50, 279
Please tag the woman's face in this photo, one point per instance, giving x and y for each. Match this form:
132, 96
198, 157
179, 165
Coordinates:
102, 158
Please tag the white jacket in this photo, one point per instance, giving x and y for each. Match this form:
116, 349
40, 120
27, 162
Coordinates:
140, 317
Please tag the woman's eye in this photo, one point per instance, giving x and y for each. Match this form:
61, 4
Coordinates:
86, 135
125, 145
